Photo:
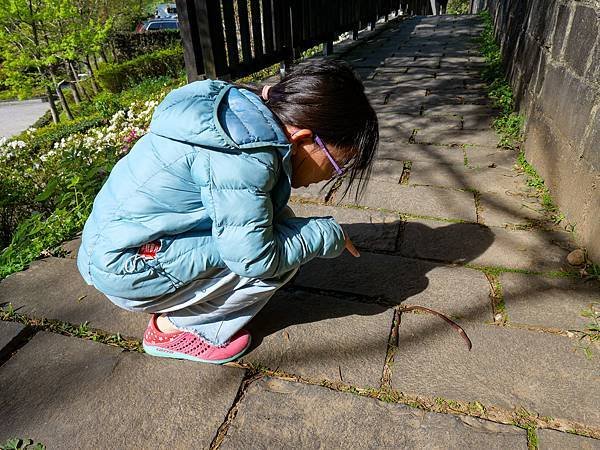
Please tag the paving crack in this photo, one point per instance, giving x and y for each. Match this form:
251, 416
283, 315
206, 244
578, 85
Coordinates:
406, 168
392, 347
250, 377
497, 299
83, 330
478, 207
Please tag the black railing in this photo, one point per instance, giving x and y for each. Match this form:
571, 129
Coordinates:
233, 38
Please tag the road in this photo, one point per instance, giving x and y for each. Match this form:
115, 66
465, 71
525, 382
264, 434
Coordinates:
17, 116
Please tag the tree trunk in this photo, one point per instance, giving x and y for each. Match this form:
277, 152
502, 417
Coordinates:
53, 110
59, 92
90, 72
115, 57
74, 87
95, 61
103, 54
63, 101
76, 78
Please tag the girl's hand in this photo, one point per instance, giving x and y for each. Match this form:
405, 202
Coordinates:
350, 247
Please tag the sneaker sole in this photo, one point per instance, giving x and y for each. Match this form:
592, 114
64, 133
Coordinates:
162, 353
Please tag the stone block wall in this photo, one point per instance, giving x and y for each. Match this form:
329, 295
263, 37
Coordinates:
551, 50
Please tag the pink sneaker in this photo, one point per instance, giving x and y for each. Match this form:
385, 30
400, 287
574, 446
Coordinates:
186, 345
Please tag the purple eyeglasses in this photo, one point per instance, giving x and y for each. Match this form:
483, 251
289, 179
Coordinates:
335, 165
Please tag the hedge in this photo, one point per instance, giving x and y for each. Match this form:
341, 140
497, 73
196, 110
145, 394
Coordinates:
116, 77
129, 45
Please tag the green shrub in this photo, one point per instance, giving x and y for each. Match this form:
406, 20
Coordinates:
129, 45
47, 136
116, 77
458, 6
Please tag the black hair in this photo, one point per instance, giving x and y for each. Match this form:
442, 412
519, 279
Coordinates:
329, 99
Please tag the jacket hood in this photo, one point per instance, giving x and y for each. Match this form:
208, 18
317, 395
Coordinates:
217, 115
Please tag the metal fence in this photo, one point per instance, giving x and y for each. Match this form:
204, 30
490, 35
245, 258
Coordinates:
233, 38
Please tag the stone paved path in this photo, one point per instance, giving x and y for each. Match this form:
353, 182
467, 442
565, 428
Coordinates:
446, 222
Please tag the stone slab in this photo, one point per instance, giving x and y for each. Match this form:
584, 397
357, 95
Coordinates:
419, 152
462, 293
367, 229
402, 127
420, 200
518, 249
548, 302
464, 110
308, 416
71, 248
54, 289
557, 440
485, 179
9, 331
389, 170
509, 209
318, 337
507, 367
82, 394
486, 157
477, 122
480, 138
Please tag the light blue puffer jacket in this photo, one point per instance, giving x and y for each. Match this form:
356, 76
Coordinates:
209, 182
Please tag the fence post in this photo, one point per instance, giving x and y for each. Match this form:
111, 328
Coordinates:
208, 20
433, 7
192, 54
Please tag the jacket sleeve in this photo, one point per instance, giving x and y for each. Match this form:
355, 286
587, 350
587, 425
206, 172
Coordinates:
236, 195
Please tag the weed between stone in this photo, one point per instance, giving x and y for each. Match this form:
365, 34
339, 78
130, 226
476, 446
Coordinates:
521, 418
537, 182
532, 438
497, 296
590, 335
84, 331
509, 124
498, 270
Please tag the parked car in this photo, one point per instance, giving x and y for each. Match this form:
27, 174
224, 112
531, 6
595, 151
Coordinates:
166, 11
157, 24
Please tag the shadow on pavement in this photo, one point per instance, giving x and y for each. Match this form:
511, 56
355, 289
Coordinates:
371, 284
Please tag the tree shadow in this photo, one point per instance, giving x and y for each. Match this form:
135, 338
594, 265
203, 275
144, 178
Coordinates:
375, 282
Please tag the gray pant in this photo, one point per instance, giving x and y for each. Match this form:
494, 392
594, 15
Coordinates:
214, 306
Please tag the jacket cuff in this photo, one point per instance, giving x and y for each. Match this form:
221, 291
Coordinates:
333, 237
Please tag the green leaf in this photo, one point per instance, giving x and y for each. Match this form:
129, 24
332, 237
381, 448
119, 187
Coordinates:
50, 188
74, 181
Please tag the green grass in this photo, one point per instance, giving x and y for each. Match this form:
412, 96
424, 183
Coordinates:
509, 124
590, 335
532, 438
535, 181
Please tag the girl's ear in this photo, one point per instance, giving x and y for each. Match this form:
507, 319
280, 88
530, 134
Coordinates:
300, 134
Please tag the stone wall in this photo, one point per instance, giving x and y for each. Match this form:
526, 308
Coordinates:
551, 49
